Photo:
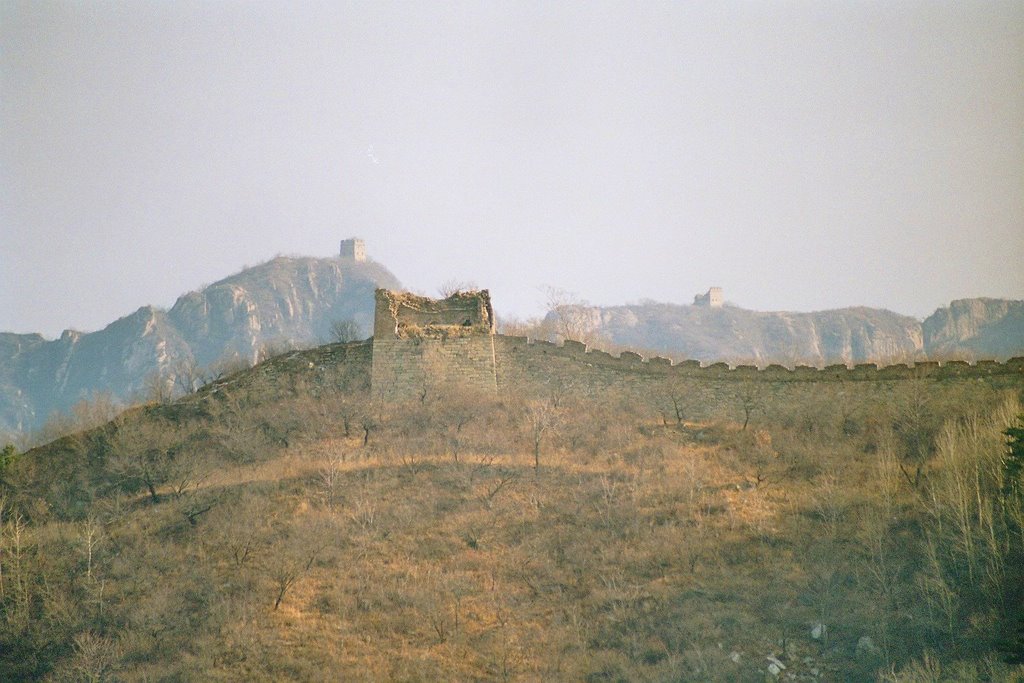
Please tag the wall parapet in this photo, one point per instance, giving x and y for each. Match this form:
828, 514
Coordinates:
422, 345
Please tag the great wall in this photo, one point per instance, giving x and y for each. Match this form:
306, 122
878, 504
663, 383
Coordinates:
452, 342
421, 344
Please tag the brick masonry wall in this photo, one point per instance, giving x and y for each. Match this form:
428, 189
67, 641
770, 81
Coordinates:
405, 368
329, 366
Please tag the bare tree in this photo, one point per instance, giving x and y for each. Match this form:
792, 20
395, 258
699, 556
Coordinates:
535, 328
228, 365
541, 417
344, 331
676, 401
368, 423
915, 425
293, 558
188, 375
94, 659
452, 286
276, 347
15, 574
158, 387
348, 397
98, 409
503, 479
454, 410
573, 318
145, 455
749, 395
91, 536
240, 532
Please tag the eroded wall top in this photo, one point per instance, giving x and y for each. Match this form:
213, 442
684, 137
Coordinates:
401, 315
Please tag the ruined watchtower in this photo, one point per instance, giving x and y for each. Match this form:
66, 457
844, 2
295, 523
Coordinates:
420, 344
353, 249
712, 299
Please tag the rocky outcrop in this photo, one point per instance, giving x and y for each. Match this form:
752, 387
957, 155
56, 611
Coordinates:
983, 328
286, 302
16, 409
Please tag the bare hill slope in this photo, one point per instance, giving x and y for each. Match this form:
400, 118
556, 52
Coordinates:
282, 523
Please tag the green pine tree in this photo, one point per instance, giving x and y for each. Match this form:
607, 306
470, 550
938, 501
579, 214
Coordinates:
1013, 465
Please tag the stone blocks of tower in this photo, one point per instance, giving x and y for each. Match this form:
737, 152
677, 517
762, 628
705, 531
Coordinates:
712, 299
353, 249
421, 345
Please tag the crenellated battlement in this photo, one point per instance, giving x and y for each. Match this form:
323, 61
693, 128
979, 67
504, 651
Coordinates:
629, 361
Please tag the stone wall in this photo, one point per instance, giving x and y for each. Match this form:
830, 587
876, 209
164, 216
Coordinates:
419, 343
519, 350
344, 365
712, 298
353, 249
539, 367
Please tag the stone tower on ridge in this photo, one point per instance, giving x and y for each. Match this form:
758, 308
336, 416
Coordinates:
353, 249
712, 299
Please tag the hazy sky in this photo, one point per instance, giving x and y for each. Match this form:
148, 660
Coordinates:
802, 155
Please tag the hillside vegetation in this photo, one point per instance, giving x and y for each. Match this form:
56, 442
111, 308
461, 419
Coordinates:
282, 524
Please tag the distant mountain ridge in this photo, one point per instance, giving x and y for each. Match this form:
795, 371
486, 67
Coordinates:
966, 329
285, 301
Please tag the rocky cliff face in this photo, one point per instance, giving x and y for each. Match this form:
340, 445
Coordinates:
284, 302
982, 328
967, 329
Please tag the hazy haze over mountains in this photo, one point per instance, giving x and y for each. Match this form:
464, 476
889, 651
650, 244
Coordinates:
291, 301
966, 329
804, 156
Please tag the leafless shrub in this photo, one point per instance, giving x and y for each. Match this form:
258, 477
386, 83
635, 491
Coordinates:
451, 287
344, 331
94, 660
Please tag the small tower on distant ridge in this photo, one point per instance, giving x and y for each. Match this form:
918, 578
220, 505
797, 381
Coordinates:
713, 298
353, 249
